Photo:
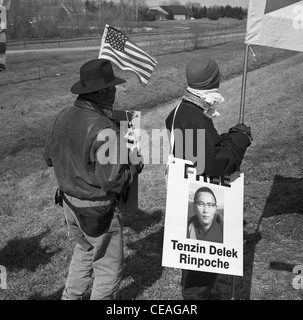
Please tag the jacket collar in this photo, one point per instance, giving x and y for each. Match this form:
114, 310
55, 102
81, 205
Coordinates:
81, 103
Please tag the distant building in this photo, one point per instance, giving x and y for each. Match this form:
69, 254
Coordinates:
178, 12
169, 12
159, 13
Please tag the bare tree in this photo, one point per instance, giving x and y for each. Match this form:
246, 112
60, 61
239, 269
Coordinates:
21, 16
195, 41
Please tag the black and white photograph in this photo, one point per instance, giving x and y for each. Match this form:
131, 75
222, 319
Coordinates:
206, 214
151, 150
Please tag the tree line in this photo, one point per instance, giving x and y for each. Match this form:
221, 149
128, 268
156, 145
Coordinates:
25, 21
216, 12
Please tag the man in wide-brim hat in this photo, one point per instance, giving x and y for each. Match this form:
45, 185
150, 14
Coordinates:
80, 147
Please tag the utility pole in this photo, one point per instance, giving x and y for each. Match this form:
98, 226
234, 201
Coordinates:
99, 14
135, 8
123, 11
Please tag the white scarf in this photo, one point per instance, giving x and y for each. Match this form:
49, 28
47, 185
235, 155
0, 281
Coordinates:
212, 97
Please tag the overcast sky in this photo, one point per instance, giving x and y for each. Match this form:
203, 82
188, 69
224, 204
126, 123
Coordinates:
207, 3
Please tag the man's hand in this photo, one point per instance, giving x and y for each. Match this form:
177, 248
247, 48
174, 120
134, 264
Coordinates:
241, 127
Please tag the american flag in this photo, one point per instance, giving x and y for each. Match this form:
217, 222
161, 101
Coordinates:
116, 47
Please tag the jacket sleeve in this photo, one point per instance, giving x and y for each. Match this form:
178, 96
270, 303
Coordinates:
111, 161
224, 154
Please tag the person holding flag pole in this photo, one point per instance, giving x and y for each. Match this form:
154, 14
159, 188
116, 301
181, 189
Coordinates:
223, 153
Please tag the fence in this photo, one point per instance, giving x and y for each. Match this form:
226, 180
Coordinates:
162, 47
181, 33
39, 68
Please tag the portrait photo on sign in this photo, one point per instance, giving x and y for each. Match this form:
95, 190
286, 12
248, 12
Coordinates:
205, 213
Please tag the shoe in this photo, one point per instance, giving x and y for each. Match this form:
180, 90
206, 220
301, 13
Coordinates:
68, 296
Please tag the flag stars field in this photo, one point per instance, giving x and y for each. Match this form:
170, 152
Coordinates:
116, 40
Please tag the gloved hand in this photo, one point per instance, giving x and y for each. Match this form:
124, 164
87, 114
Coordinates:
241, 127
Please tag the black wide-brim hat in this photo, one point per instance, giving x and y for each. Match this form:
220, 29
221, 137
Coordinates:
95, 75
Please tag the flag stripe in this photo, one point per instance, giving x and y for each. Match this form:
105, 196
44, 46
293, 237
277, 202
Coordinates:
139, 54
131, 65
139, 50
122, 66
124, 63
130, 58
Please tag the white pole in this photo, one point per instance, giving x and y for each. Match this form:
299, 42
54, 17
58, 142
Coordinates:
244, 79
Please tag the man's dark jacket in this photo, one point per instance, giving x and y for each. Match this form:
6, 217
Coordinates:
223, 153
72, 147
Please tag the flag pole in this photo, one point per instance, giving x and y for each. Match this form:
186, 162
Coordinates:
241, 120
244, 79
233, 290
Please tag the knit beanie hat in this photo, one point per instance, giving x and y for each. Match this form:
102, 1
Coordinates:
202, 73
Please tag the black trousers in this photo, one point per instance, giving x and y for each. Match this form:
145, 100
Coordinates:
197, 285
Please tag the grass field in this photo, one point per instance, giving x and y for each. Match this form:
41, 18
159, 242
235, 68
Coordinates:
34, 245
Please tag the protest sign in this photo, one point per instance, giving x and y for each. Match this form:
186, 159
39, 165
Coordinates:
221, 251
